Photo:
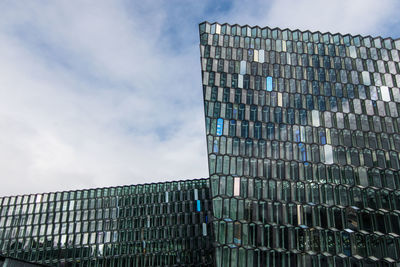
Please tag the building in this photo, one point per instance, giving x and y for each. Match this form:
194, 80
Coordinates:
10, 262
303, 139
163, 224
303, 145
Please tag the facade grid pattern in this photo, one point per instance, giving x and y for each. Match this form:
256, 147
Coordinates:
303, 143
163, 224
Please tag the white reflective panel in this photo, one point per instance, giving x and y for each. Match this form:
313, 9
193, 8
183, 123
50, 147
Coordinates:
38, 198
299, 215
366, 78
63, 239
396, 94
240, 83
205, 78
208, 27
393, 109
328, 119
395, 55
385, 93
373, 93
302, 133
196, 194
236, 187
392, 67
388, 80
339, 120
369, 108
357, 106
278, 45
256, 55
381, 108
166, 197
315, 118
280, 99
261, 56
328, 154
242, 67
218, 29
345, 105
353, 51
204, 229
284, 46
397, 44
377, 79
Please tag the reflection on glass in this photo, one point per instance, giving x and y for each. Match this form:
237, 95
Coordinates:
242, 67
236, 186
269, 83
385, 93
261, 56
328, 154
220, 126
240, 81
315, 118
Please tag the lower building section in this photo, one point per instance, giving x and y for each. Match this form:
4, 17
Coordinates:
268, 222
10, 262
163, 224
240, 221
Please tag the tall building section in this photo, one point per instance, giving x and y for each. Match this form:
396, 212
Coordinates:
303, 144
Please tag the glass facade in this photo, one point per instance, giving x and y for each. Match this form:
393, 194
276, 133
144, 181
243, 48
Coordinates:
10, 262
163, 224
303, 145
303, 140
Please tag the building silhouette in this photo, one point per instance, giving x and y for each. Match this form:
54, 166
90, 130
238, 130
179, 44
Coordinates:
303, 147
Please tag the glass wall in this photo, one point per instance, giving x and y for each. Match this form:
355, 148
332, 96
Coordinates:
163, 224
303, 143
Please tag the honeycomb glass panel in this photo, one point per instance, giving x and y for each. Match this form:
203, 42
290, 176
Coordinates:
325, 152
164, 224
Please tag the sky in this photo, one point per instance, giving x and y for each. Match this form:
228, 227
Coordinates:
105, 93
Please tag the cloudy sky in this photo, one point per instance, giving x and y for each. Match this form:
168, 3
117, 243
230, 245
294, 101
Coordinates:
100, 93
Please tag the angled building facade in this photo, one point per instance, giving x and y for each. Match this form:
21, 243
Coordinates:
303, 144
303, 140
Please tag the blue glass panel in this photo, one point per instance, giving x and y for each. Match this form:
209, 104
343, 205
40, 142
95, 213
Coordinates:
220, 126
303, 153
297, 136
216, 146
198, 205
269, 83
322, 138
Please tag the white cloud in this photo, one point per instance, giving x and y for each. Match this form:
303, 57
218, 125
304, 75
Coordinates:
90, 99
366, 17
109, 92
